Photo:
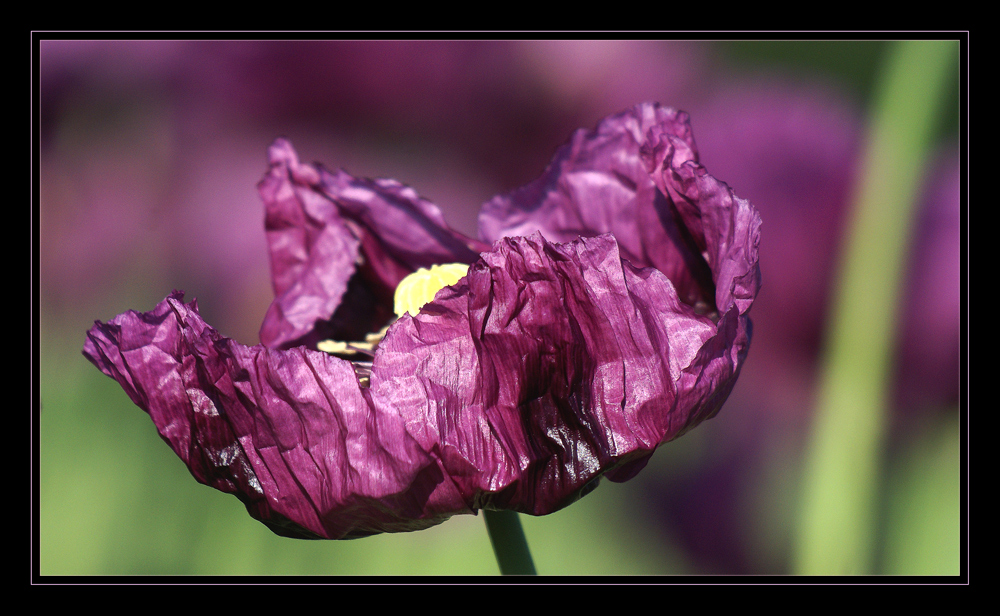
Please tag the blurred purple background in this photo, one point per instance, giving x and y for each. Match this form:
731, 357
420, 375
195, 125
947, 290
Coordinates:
151, 150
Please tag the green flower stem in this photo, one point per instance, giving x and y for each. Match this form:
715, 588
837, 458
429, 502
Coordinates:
839, 499
508, 541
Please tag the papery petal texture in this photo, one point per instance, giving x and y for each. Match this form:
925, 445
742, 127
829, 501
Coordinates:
290, 432
609, 316
637, 176
339, 246
544, 370
600, 183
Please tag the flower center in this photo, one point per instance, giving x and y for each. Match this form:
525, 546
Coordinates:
412, 293
420, 287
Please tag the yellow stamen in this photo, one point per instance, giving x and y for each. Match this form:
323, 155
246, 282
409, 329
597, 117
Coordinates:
420, 287
335, 346
374, 339
339, 347
412, 293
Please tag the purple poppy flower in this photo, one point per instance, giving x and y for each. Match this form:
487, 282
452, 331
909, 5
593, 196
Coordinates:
609, 316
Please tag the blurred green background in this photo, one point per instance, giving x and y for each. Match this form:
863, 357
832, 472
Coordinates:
149, 155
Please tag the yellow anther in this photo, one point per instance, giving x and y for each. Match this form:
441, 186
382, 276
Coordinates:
420, 287
334, 346
374, 339
339, 347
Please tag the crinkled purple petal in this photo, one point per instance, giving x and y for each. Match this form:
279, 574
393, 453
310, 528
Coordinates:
599, 183
637, 176
339, 246
290, 432
725, 228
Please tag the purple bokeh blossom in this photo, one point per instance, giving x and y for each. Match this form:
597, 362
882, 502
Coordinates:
555, 361
928, 365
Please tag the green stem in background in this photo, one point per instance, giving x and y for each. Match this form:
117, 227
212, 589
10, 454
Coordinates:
508, 541
843, 463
